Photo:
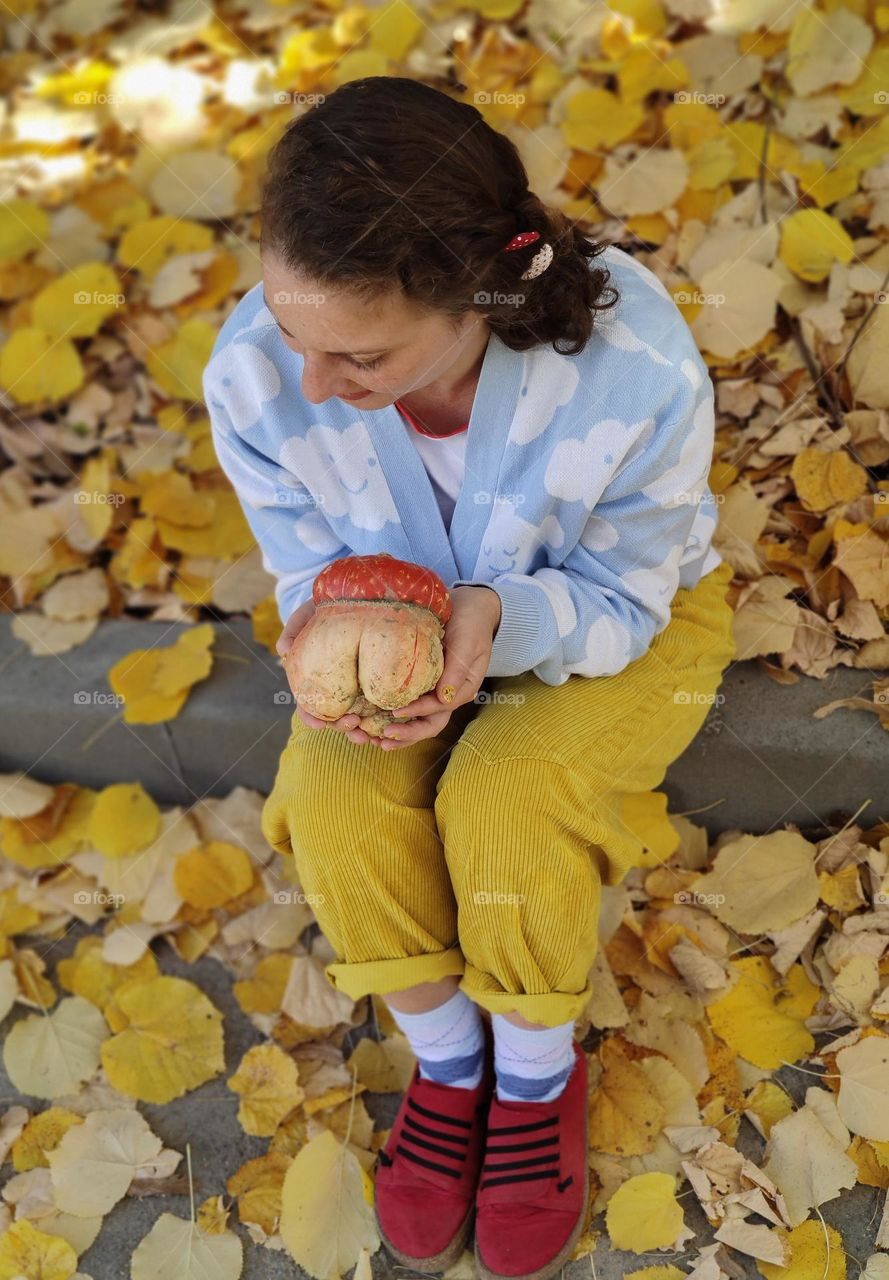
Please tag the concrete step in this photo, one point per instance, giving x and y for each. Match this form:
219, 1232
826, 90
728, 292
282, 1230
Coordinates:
760, 760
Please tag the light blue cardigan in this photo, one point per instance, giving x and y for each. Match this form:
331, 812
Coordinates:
585, 501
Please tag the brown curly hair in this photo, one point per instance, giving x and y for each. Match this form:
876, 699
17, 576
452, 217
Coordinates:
388, 182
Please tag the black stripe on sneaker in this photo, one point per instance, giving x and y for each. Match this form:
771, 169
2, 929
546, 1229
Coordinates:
434, 1133
524, 1146
525, 1128
431, 1146
428, 1164
518, 1177
520, 1164
435, 1115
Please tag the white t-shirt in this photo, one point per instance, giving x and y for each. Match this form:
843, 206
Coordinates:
444, 458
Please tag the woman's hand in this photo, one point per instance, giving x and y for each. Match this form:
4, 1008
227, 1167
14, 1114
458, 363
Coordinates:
294, 625
468, 640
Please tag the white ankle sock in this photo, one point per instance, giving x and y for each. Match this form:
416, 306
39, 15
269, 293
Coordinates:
531, 1065
449, 1041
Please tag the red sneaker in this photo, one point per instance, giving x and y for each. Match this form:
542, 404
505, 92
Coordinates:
428, 1170
534, 1186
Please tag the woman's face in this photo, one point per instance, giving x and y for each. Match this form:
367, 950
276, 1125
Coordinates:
371, 353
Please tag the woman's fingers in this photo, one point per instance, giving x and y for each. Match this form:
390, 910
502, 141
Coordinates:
405, 734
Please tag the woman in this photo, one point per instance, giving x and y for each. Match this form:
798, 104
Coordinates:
432, 367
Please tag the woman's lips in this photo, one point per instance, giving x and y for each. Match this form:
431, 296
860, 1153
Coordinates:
359, 395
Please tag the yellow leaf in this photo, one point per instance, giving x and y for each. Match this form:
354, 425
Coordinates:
149, 244
29, 1254
264, 992
258, 1185
173, 1041
268, 1083
825, 478
36, 366
863, 1100
41, 1134
23, 226
212, 1216
864, 559
644, 1213
87, 974
178, 1250
94, 1164
625, 1115
78, 303
762, 1018
325, 1217
817, 1252
171, 496
758, 883
395, 28
155, 683
50, 1055
812, 241
124, 819
596, 119
212, 874
384, 1066
177, 365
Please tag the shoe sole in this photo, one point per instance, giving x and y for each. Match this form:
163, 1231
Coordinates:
438, 1261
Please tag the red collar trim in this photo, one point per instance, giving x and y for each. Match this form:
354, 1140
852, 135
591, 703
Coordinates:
431, 435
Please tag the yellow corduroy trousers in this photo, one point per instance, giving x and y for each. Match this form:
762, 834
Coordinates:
481, 852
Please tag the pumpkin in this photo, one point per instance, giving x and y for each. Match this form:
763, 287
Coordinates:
374, 642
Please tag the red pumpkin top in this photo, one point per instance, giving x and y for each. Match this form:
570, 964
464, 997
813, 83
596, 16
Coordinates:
382, 577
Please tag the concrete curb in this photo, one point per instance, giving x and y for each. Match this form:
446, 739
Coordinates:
761, 759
